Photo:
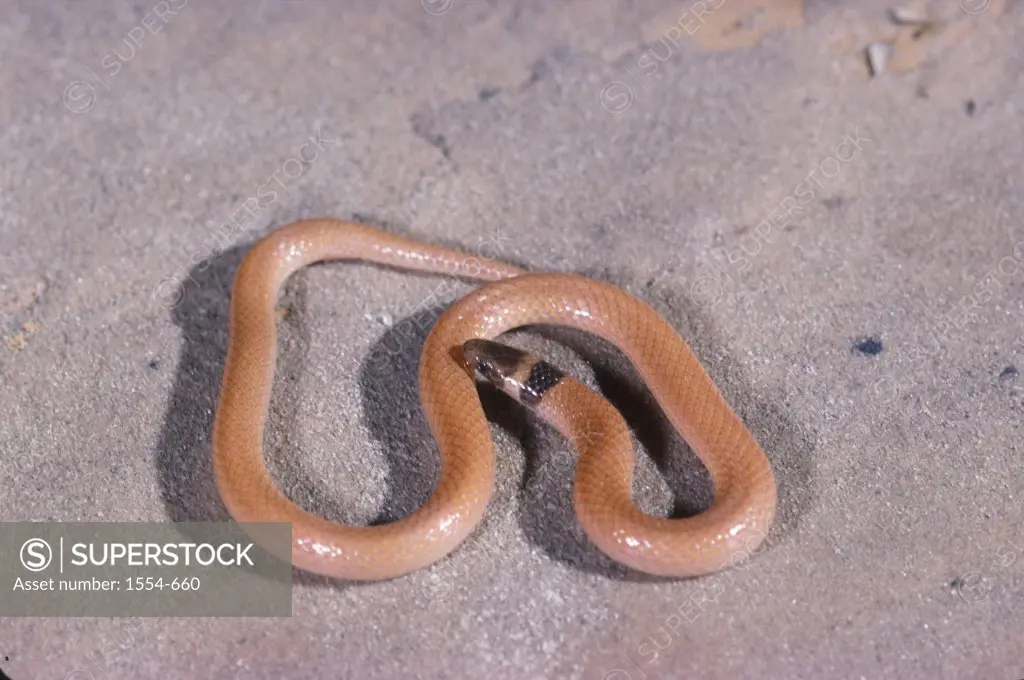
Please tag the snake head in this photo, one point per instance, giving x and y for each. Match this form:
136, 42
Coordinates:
518, 374
495, 363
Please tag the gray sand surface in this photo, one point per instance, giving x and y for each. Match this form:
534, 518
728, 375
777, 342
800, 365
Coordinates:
598, 138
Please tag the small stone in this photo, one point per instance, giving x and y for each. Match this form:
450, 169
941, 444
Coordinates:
869, 346
878, 57
908, 16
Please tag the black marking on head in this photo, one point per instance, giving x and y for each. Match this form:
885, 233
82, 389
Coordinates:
543, 376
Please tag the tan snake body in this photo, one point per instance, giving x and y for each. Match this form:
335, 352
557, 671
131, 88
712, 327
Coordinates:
745, 492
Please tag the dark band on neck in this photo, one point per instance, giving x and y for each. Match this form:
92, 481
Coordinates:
543, 376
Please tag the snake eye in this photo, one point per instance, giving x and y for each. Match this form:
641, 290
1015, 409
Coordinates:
484, 366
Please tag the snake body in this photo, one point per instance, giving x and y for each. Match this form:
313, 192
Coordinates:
455, 352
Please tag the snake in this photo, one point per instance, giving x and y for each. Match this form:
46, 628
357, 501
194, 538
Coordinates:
461, 351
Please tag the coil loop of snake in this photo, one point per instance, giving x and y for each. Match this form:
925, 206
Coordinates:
459, 349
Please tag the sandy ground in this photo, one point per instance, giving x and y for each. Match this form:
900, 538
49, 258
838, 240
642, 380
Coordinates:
845, 254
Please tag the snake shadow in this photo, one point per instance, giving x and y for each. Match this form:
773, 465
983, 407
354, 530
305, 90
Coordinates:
183, 458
